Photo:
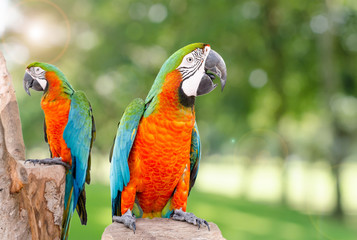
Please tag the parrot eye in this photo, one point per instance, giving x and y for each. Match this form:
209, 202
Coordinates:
189, 59
37, 70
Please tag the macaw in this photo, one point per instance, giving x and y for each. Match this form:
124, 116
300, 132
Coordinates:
156, 152
69, 131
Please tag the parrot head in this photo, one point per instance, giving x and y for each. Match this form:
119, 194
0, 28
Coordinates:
199, 66
35, 76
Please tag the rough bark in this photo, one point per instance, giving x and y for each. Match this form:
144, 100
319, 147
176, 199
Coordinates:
161, 229
31, 197
43, 198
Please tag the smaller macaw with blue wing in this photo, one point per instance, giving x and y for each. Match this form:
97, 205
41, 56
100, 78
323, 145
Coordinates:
69, 131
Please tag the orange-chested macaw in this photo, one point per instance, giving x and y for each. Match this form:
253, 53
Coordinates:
156, 152
69, 131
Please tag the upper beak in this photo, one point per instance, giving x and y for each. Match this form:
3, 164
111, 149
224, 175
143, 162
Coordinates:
28, 82
216, 65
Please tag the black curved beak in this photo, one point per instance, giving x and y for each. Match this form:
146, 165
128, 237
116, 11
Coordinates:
215, 67
29, 82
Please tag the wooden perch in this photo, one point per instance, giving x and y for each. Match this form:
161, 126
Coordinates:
31, 197
161, 229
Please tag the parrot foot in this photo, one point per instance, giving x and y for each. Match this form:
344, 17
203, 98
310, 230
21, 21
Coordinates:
180, 215
128, 219
49, 161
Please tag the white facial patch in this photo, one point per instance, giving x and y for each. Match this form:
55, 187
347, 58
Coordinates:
37, 74
42, 82
192, 70
190, 85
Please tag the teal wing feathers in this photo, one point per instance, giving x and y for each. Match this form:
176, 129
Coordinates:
119, 169
195, 155
79, 135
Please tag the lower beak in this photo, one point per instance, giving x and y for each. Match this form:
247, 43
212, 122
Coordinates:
215, 67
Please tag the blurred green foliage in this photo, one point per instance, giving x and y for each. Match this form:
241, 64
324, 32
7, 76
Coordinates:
277, 53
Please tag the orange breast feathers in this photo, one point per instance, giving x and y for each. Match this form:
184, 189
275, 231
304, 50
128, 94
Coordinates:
56, 106
161, 151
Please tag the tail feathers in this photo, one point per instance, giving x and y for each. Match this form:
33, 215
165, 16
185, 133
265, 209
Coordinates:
88, 170
116, 205
167, 210
65, 230
67, 215
74, 199
81, 207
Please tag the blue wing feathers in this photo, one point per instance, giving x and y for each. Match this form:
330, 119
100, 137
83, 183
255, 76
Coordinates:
78, 135
119, 170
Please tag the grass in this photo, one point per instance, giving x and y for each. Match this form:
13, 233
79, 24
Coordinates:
99, 214
237, 219
241, 219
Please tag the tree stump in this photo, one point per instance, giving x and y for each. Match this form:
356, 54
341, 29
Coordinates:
161, 229
31, 197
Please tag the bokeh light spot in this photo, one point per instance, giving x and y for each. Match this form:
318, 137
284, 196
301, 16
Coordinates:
3, 8
36, 26
157, 13
105, 84
258, 78
250, 10
319, 24
36, 32
17, 52
351, 42
87, 40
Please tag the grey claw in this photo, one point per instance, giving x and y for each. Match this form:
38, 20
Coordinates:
133, 227
49, 161
200, 221
205, 222
128, 219
33, 161
180, 215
